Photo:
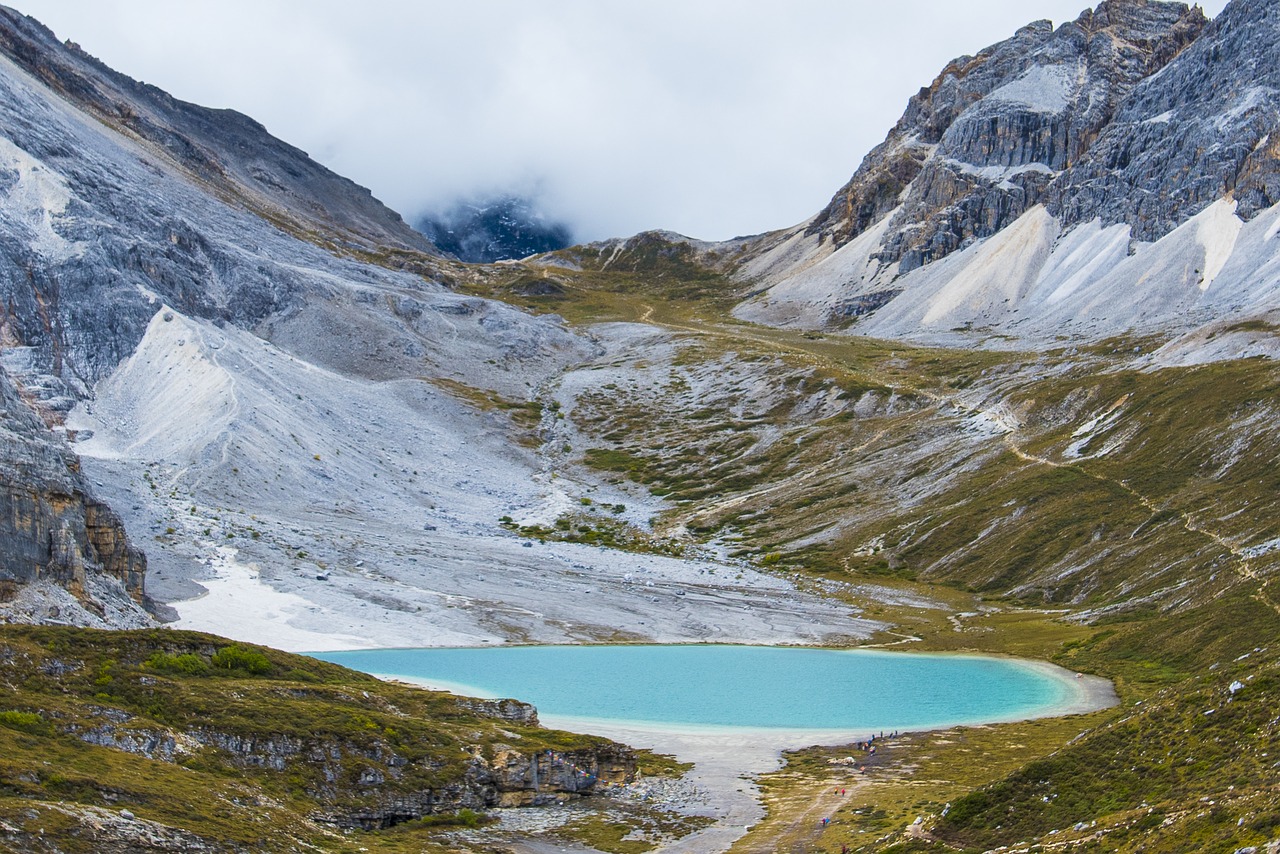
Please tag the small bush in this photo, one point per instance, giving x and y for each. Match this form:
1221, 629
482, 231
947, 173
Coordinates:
462, 818
30, 722
186, 664
238, 658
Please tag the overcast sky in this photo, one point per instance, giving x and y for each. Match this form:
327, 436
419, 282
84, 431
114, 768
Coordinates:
713, 118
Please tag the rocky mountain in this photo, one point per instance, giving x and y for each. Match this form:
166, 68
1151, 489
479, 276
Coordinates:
227, 153
498, 229
982, 144
1114, 174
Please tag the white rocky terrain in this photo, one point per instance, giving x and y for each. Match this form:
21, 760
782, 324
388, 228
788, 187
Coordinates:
325, 512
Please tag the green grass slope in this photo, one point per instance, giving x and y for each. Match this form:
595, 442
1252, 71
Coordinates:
231, 747
1081, 504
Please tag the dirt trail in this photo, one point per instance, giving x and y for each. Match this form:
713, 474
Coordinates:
800, 831
1240, 563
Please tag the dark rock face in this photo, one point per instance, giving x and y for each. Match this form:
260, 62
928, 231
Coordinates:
986, 140
495, 230
1204, 128
51, 527
511, 778
506, 777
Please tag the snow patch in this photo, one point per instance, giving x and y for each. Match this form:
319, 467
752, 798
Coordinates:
1040, 89
1217, 230
35, 200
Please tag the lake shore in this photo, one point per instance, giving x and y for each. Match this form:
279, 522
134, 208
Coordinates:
728, 760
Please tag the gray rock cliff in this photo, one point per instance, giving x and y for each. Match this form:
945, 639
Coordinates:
53, 531
984, 142
1203, 128
1118, 174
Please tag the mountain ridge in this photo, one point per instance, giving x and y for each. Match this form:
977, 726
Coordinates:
211, 144
1145, 203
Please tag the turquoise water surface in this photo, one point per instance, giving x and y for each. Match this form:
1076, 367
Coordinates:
742, 686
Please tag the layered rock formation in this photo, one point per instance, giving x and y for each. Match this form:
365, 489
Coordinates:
1117, 174
1203, 130
982, 144
53, 531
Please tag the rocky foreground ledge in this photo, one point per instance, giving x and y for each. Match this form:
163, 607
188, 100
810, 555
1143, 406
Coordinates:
196, 739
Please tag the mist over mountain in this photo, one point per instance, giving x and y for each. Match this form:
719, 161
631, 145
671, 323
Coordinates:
500, 228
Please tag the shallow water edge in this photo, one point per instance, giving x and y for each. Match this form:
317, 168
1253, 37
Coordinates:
728, 759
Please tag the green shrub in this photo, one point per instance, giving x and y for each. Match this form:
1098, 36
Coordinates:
462, 818
236, 657
30, 722
186, 664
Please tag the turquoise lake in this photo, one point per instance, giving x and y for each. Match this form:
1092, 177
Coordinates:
736, 686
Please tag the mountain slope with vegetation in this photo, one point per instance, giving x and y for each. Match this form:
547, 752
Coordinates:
179, 741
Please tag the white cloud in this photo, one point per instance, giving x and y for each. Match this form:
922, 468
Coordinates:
708, 117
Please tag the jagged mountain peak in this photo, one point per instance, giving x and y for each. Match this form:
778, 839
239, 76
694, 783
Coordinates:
980, 145
1102, 177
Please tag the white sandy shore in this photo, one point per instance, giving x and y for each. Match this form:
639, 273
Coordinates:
727, 760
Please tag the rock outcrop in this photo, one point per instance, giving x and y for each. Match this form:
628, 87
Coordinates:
1116, 175
52, 529
983, 143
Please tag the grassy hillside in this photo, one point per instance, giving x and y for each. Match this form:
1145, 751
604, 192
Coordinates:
108, 739
1082, 504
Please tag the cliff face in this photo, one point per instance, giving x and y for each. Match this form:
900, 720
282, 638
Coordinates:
1115, 175
982, 143
1203, 129
52, 529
